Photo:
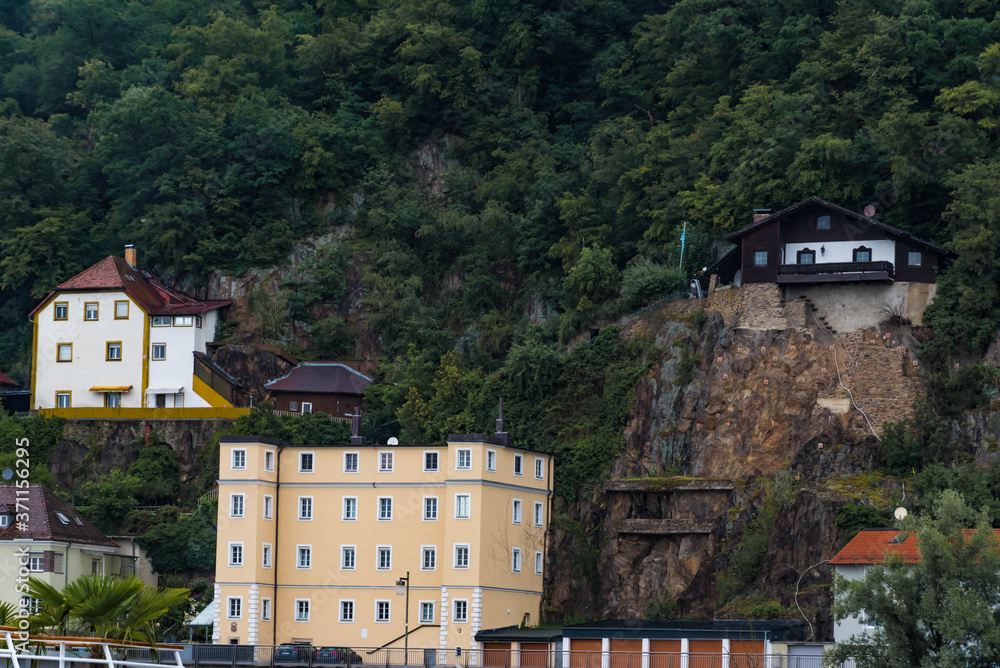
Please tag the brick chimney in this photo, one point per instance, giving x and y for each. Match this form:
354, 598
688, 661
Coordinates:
760, 214
130, 255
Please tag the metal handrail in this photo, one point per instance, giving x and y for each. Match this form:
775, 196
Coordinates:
835, 268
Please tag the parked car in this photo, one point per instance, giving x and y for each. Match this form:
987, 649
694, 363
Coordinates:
337, 655
293, 653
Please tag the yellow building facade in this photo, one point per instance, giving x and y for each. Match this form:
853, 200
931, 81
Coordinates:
312, 541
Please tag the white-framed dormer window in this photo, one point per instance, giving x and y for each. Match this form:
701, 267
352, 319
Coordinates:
461, 611
348, 557
539, 515
462, 506
161, 320
518, 465
234, 607
539, 468
265, 609
428, 557
239, 459
461, 555
347, 611
491, 460
382, 612
4, 521
302, 609
430, 461
383, 557
305, 462
305, 507
430, 508
268, 507
538, 563
515, 515
385, 509
269, 460
265, 555
426, 612
385, 461
303, 557
350, 509
236, 505
463, 459
515, 560
236, 554
351, 462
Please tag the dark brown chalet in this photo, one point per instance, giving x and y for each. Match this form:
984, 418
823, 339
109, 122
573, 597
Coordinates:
322, 387
815, 241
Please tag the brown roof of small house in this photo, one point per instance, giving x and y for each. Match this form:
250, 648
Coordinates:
321, 377
889, 229
6, 380
114, 273
43, 509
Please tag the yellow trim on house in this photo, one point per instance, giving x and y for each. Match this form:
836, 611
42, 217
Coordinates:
100, 413
55, 311
107, 351
97, 311
202, 389
127, 303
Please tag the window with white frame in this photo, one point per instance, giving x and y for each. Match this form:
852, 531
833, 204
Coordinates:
239, 459
463, 459
350, 509
269, 460
539, 468
462, 555
430, 461
515, 560
302, 609
462, 506
538, 563
385, 461
383, 554
382, 611
36, 562
346, 610
236, 505
265, 555
539, 514
236, 554
428, 560
64, 399
348, 557
64, 352
518, 464
90, 310
234, 607
121, 310
303, 559
461, 615
268, 507
516, 512
351, 462
159, 352
491, 460
305, 507
265, 609
430, 508
426, 612
307, 407
305, 462
385, 509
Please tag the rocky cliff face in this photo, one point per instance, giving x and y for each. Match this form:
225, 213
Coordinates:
736, 403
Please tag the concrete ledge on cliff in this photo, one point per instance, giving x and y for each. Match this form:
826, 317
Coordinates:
677, 484
664, 527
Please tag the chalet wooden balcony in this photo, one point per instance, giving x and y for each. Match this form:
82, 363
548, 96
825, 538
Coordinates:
836, 272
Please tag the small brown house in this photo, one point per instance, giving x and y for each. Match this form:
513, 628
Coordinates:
325, 387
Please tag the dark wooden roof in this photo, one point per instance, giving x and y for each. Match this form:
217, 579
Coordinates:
888, 229
321, 378
44, 522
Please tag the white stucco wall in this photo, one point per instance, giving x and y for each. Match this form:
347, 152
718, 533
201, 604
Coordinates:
883, 250
89, 338
177, 370
844, 629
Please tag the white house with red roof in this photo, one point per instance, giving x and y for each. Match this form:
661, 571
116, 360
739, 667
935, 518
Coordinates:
114, 337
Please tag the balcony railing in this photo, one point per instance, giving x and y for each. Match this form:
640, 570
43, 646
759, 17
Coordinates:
834, 271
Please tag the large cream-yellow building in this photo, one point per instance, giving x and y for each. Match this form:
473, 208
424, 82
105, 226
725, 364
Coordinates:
312, 541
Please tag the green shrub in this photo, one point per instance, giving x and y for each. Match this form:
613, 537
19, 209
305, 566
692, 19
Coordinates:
645, 281
853, 517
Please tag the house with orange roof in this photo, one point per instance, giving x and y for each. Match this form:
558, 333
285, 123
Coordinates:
114, 341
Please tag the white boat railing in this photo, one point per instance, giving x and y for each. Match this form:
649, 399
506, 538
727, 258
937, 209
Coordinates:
18, 650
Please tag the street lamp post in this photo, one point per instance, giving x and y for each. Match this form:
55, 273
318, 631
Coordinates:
403, 587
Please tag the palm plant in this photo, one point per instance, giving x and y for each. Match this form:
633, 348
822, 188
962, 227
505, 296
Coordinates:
103, 606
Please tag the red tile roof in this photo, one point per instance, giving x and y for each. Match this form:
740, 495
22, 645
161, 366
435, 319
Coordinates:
871, 546
114, 273
43, 510
321, 377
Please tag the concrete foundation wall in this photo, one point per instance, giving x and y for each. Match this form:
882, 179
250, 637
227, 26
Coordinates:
852, 306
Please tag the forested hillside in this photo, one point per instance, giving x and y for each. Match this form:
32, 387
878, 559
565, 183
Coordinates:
567, 142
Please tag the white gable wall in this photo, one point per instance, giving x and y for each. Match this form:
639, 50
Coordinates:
883, 250
846, 628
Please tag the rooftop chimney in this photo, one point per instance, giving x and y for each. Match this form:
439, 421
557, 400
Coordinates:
356, 438
500, 433
760, 214
130, 256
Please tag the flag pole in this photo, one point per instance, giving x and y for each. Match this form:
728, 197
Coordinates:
683, 234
